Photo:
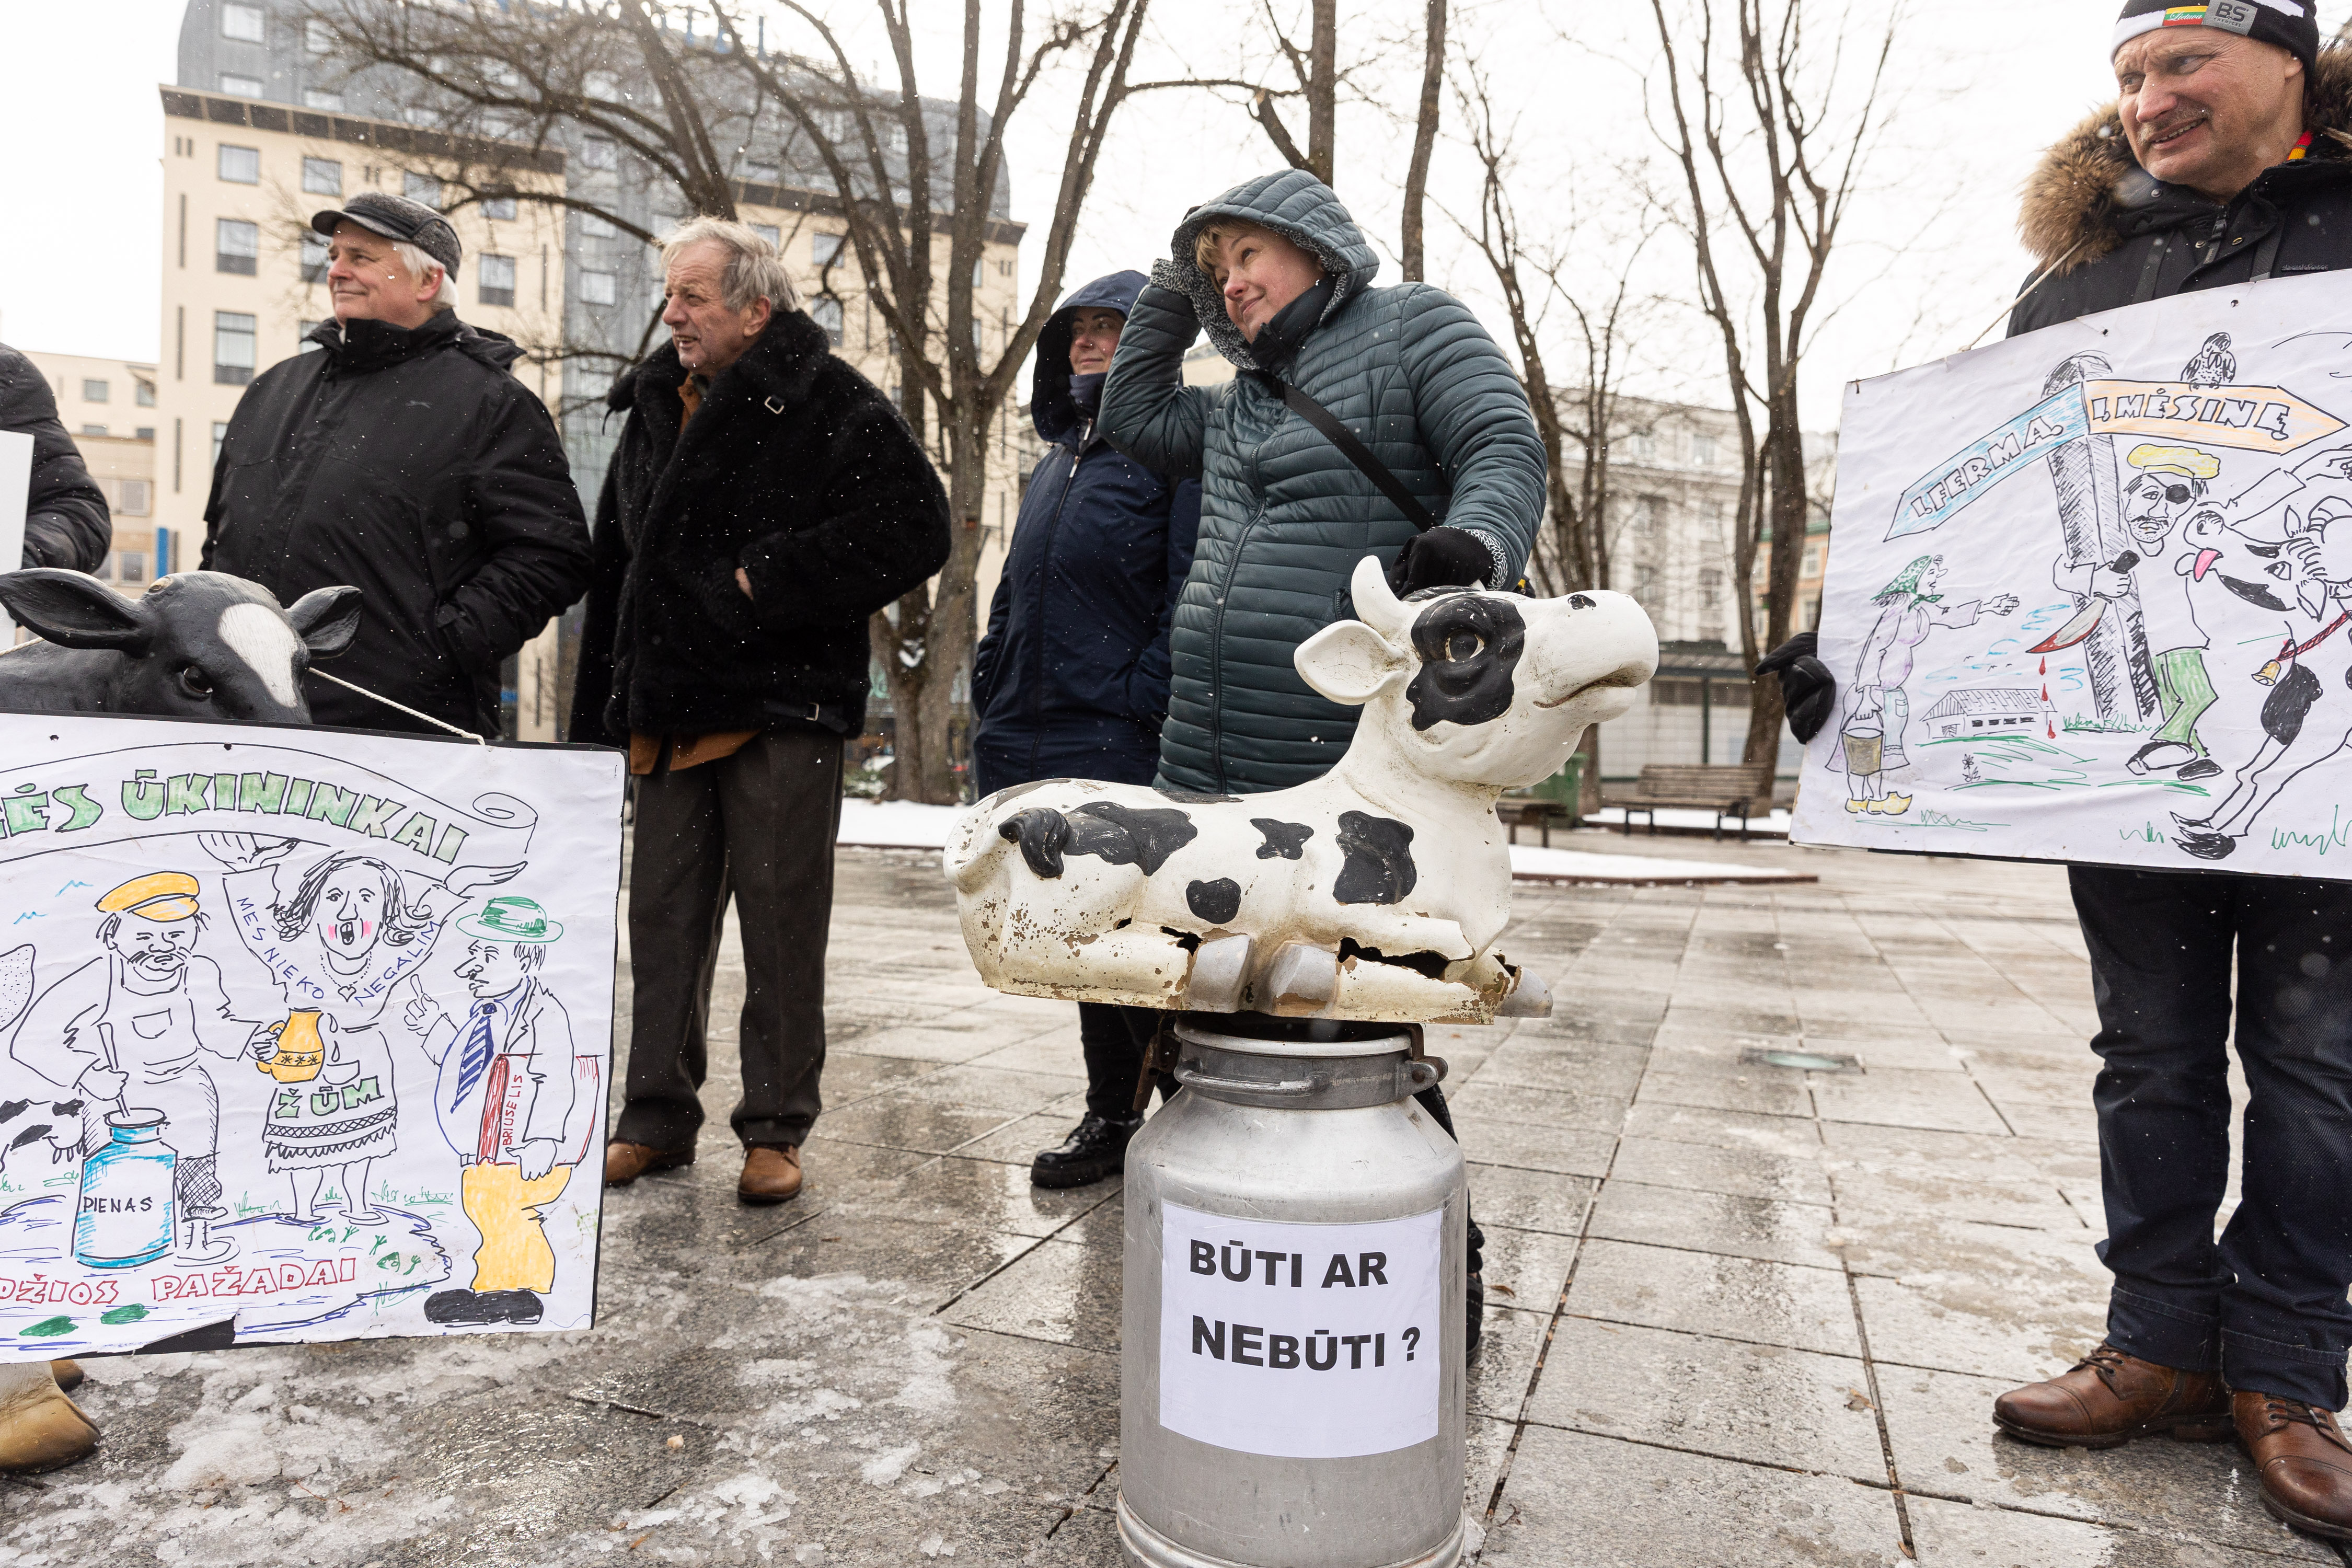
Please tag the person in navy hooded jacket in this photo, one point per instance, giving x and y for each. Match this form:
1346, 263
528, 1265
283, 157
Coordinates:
1071, 679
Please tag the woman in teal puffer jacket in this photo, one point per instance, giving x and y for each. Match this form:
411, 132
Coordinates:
1284, 516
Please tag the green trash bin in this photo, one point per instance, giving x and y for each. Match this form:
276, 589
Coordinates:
1567, 787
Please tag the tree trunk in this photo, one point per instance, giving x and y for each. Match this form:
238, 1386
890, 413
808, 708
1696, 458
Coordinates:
1323, 90
1784, 472
1425, 140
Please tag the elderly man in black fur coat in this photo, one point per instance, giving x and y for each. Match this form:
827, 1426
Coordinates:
764, 501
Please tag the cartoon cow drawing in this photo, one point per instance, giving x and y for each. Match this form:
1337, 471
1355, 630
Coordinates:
1374, 892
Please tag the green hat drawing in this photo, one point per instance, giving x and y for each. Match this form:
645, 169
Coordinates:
511, 920
1907, 584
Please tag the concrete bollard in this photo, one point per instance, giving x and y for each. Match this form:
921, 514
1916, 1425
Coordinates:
1291, 1389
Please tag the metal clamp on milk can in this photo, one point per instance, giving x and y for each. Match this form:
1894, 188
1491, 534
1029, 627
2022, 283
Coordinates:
1292, 1371
1292, 1368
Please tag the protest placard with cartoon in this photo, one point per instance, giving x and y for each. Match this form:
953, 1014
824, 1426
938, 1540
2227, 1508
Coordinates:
2088, 593
232, 1100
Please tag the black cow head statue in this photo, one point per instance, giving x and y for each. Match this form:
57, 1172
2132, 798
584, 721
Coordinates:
197, 644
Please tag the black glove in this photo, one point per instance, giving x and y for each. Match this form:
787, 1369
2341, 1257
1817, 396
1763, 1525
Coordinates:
1808, 689
1441, 558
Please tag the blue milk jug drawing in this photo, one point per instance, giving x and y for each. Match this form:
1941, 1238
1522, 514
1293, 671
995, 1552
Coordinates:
124, 1217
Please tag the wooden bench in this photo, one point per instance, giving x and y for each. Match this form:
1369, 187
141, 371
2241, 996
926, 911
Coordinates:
1740, 791
1539, 813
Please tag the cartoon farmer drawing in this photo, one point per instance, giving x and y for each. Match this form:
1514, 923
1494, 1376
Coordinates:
503, 1096
132, 1028
336, 945
1878, 713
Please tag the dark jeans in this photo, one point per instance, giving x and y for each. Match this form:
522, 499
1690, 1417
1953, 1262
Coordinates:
2266, 1305
1114, 1039
757, 827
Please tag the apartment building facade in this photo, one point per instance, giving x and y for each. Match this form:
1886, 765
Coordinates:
108, 408
580, 293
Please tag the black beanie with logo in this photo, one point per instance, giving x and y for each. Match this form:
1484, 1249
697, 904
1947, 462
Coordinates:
2291, 25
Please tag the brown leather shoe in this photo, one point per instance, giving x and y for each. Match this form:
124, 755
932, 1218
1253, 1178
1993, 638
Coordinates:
2109, 1398
625, 1162
772, 1175
2304, 1461
41, 1429
69, 1376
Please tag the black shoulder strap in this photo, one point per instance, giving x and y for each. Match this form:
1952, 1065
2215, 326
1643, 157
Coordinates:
1356, 452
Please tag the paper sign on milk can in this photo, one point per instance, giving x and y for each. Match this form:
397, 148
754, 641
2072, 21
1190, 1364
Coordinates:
1311, 1342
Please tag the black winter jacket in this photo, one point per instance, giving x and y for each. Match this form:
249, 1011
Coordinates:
795, 468
1071, 680
65, 520
2116, 235
413, 467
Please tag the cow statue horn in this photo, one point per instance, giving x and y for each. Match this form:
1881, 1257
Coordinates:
1103, 893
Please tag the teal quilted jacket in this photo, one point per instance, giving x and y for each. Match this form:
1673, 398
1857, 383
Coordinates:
1284, 517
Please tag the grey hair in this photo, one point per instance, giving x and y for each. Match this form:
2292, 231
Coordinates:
444, 298
753, 269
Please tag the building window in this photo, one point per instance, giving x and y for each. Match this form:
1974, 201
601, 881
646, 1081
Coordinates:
596, 287
596, 153
760, 174
138, 497
497, 275
303, 344
422, 188
314, 256
232, 347
826, 311
93, 430
312, 97
220, 434
128, 566
319, 38
240, 85
237, 247
95, 391
1703, 450
240, 165
501, 208
595, 227
1710, 587
243, 22
144, 433
770, 233
824, 249
322, 176
144, 394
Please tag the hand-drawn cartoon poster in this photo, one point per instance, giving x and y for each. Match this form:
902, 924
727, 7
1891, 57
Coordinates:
304, 1034
2090, 594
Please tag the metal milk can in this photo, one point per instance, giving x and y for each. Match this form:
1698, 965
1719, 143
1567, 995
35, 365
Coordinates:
124, 1214
1291, 1381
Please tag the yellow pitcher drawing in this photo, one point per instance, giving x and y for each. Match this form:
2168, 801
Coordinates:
300, 1049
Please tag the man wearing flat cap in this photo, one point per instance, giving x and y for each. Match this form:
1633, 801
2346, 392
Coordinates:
401, 458
2225, 160
130, 1029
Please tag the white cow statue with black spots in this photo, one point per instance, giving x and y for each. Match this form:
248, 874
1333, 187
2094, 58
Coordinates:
1374, 892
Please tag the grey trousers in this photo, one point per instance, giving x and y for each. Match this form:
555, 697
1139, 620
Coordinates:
757, 827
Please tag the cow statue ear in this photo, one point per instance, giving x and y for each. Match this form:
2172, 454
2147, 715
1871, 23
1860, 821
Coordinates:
326, 619
1349, 662
74, 609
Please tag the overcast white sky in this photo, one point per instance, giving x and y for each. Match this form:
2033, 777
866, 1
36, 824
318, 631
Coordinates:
1929, 259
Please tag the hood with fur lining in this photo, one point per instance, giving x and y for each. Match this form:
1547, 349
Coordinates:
2083, 199
1291, 203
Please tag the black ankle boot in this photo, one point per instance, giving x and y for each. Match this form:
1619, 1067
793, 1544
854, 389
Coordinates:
1096, 1148
1474, 1315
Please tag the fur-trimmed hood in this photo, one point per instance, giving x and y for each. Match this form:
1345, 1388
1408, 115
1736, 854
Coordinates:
2089, 193
1291, 203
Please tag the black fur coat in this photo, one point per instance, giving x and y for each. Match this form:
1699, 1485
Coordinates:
796, 469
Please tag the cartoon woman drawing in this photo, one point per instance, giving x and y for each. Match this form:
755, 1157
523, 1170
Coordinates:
1877, 710
336, 946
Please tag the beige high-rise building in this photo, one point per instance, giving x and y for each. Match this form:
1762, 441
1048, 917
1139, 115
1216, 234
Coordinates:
108, 408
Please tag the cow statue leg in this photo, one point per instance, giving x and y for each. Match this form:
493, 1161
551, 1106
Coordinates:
1134, 966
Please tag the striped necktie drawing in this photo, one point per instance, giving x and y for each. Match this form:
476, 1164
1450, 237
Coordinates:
477, 1049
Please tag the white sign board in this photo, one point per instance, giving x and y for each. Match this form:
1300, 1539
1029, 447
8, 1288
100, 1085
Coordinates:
304, 1034
15, 498
1308, 1342
2090, 594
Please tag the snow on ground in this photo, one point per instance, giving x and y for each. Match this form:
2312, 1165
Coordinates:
906, 825
1774, 826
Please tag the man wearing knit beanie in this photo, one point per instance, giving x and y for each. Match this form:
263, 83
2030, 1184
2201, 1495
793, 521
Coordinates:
2223, 162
